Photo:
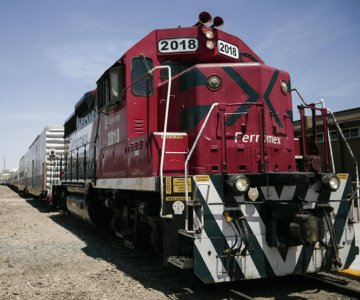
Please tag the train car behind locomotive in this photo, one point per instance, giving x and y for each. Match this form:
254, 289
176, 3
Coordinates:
187, 147
38, 171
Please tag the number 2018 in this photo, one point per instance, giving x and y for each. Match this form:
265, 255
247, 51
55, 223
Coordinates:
178, 45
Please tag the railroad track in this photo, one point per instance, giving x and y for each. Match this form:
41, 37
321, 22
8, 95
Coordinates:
309, 286
337, 285
240, 295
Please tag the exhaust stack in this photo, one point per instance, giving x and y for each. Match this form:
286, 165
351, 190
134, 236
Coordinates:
204, 19
218, 22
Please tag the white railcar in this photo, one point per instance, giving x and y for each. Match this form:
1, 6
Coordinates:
38, 170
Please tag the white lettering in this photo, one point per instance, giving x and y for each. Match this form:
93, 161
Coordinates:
254, 138
82, 122
113, 136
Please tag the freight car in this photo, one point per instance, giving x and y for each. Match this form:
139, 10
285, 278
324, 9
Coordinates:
187, 147
38, 171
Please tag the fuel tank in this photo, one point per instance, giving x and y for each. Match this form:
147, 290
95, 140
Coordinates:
78, 206
88, 208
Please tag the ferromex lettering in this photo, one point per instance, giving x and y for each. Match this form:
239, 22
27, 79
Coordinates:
254, 138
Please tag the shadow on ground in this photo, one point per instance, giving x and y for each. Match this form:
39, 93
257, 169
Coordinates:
147, 268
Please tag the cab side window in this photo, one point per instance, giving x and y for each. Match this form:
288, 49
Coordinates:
102, 88
139, 67
111, 86
116, 84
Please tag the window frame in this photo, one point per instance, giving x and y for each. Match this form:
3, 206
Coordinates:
137, 79
105, 83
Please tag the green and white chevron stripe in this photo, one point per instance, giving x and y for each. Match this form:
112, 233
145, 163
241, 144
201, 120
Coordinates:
214, 233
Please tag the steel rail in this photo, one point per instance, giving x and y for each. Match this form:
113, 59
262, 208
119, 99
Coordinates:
336, 287
241, 295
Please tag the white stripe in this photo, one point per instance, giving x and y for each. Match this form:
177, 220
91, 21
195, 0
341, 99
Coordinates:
246, 263
347, 237
279, 266
318, 255
287, 192
214, 265
348, 232
312, 195
272, 254
138, 184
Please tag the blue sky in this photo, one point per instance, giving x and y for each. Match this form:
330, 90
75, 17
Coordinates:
53, 51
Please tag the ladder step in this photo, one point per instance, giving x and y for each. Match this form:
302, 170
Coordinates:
129, 244
176, 152
184, 263
187, 234
124, 233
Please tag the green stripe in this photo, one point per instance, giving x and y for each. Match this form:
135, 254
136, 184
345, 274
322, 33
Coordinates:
257, 252
253, 95
191, 117
200, 268
191, 79
341, 219
218, 182
351, 255
258, 256
304, 259
290, 114
343, 211
215, 235
267, 99
289, 85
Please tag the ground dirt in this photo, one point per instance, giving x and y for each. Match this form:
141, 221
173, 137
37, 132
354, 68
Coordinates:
47, 255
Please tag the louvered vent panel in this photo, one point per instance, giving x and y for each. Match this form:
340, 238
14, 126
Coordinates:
139, 125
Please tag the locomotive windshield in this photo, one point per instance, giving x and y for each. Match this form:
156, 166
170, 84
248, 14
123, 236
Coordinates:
140, 66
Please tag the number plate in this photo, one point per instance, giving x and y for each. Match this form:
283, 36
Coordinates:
228, 49
178, 45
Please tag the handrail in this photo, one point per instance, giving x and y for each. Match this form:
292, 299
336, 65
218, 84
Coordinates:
164, 139
322, 102
347, 146
352, 156
186, 167
325, 133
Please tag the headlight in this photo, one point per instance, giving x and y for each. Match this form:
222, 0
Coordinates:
210, 45
253, 194
284, 87
331, 181
334, 183
214, 82
241, 183
209, 34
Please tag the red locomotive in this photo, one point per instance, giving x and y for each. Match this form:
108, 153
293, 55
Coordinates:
187, 146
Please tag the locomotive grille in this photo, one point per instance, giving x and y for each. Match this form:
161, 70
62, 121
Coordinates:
138, 145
